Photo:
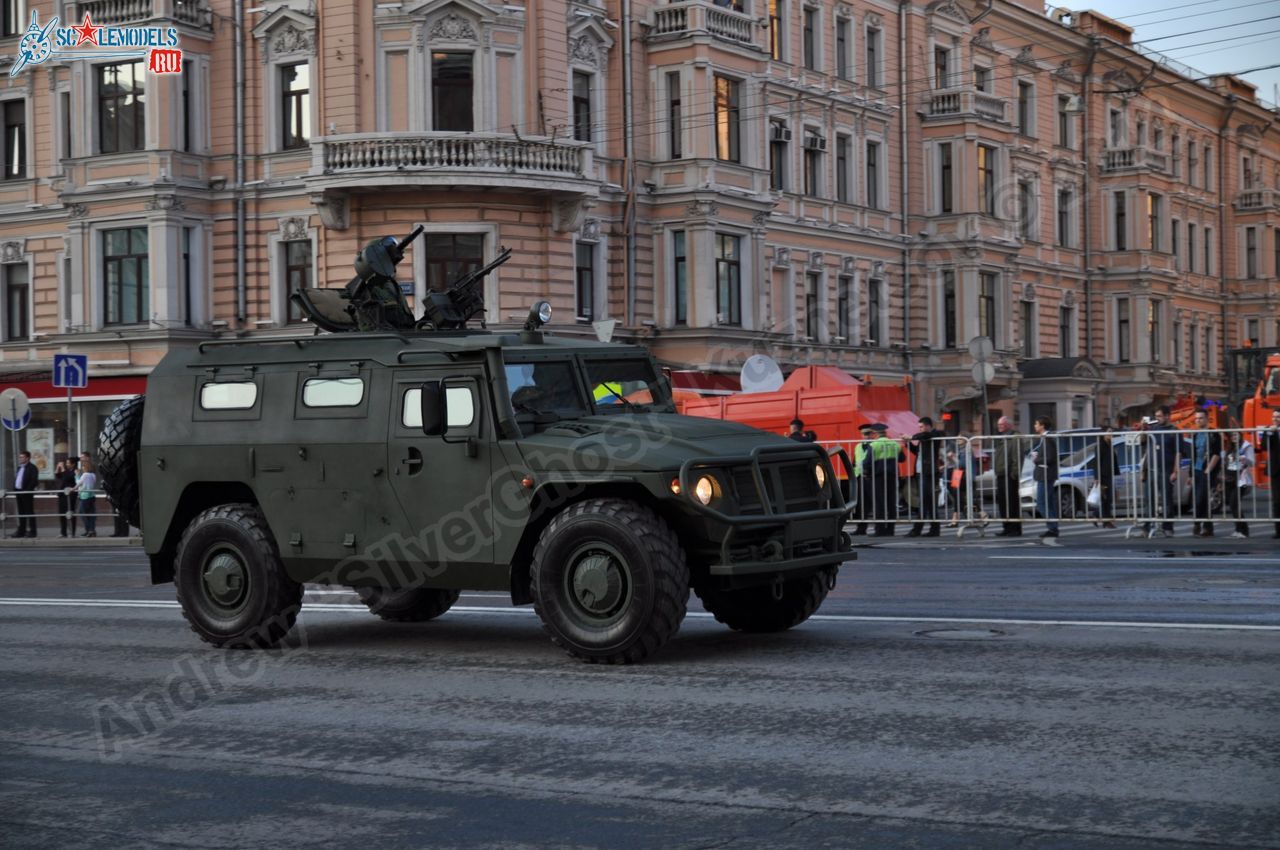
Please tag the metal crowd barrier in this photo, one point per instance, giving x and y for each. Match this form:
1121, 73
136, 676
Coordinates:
1155, 479
50, 521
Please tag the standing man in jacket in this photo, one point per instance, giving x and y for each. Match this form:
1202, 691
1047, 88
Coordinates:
1006, 462
886, 454
25, 482
1044, 454
1271, 441
926, 446
1160, 466
1206, 458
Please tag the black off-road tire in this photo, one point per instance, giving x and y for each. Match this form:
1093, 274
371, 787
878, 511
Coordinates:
610, 582
413, 605
117, 459
233, 589
756, 610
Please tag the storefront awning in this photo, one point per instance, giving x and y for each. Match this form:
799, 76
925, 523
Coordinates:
99, 388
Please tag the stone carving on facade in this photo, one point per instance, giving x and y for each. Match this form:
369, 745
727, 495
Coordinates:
1029, 292
292, 39
948, 9
590, 231
1024, 56
1069, 298
452, 27
702, 209
781, 257
983, 39
77, 210
161, 203
1065, 73
874, 20
13, 251
847, 265
877, 268
583, 50
844, 10
815, 259
293, 228
760, 219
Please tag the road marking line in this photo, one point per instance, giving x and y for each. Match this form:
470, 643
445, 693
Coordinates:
698, 615
1153, 558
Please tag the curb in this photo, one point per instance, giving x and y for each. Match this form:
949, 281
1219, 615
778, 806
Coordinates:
65, 542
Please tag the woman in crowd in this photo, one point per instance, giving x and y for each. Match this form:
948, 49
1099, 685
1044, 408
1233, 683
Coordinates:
1238, 458
86, 483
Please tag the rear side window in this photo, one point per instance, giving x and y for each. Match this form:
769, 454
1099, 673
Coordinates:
333, 392
229, 395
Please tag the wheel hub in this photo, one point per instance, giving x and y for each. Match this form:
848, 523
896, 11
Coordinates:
225, 579
598, 582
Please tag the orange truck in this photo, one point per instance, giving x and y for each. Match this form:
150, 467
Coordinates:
833, 404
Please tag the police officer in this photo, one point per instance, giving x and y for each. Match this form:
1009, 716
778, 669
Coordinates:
886, 454
862, 477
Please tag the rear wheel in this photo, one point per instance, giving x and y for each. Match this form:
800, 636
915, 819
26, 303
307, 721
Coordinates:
771, 607
118, 446
413, 605
1071, 504
231, 584
609, 581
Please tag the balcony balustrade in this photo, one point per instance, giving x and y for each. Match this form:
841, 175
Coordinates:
194, 13
1257, 200
1134, 159
456, 160
966, 102
695, 16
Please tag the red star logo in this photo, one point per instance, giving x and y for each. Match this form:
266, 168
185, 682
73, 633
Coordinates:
87, 31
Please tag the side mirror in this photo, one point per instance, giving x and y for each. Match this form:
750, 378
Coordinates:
434, 414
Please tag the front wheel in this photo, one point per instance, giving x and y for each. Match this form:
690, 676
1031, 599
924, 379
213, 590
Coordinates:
412, 605
231, 583
610, 581
771, 607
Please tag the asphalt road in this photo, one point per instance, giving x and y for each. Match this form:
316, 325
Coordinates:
946, 696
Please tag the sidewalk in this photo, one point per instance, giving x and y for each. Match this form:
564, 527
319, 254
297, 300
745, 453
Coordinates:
1085, 536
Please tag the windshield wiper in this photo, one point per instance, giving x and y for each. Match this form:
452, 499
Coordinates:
631, 406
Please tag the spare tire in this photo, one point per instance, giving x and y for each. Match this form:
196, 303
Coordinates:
118, 446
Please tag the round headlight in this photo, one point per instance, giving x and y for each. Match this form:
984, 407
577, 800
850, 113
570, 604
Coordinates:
544, 311
820, 474
705, 490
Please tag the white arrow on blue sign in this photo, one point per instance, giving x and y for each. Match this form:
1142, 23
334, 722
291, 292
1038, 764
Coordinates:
71, 371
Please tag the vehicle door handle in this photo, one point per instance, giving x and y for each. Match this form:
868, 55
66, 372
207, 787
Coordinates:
413, 461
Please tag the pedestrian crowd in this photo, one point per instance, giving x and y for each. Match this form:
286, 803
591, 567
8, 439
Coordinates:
1218, 468
76, 483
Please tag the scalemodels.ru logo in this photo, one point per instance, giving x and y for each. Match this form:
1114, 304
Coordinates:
93, 41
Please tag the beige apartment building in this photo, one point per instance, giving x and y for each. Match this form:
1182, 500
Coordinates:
864, 184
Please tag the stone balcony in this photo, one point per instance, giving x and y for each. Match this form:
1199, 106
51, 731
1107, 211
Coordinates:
697, 17
1257, 200
193, 13
1130, 160
965, 103
363, 162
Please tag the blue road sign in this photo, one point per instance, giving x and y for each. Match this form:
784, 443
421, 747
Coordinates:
71, 371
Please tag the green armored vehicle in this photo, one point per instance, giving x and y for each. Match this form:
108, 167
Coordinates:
415, 460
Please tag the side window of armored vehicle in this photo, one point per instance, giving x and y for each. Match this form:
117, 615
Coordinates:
460, 403
545, 387
340, 396
227, 399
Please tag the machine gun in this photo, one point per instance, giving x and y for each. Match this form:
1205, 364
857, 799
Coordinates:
453, 307
372, 301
